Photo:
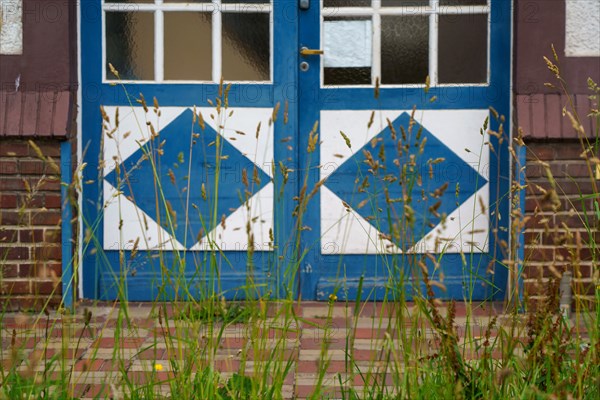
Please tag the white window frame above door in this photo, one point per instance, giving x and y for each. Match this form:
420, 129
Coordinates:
158, 8
433, 10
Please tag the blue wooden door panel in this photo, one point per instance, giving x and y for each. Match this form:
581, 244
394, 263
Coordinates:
166, 213
366, 236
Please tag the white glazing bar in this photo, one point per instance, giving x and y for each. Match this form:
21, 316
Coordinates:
424, 10
105, 70
376, 48
159, 45
488, 75
271, 46
216, 40
433, 43
199, 7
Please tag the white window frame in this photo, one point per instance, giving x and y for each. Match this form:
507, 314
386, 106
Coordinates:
433, 10
158, 8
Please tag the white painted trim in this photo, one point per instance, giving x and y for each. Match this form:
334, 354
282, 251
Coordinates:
433, 11
159, 8
321, 43
271, 46
423, 10
79, 246
509, 120
103, 40
433, 44
489, 46
217, 43
213, 7
376, 46
159, 46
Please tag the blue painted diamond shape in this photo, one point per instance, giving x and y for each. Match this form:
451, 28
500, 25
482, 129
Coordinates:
220, 169
364, 188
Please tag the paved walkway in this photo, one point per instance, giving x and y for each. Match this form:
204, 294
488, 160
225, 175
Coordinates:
148, 345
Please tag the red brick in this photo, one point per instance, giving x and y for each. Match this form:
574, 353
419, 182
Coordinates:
35, 200
540, 153
46, 218
577, 203
47, 253
571, 169
104, 343
53, 200
12, 184
8, 167
21, 218
152, 354
26, 270
46, 287
52, 235
8, 235
29, 302
534, 170
539, 253
48, 148
55, 267
33, 167
49, 183
539, 221
131, 343
8, 200
315, 340
532, 238
16, 287
533, 271
88, 365
14, 253
31, 235
576, 220
569, 151
544, 271
13, 148
73, 353
9, 270
572, 254
93, 391
534, 287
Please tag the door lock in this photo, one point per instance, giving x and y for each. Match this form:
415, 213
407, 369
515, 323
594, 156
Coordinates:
304, 66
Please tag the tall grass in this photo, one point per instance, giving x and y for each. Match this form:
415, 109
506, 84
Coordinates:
427, 348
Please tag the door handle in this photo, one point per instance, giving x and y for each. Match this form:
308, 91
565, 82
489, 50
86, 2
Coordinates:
305, 51
304, 4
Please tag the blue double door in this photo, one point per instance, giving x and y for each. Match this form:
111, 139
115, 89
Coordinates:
346, 149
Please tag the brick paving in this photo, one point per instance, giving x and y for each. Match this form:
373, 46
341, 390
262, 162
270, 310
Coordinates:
98, 356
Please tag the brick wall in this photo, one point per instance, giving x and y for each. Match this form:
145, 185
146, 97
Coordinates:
30, 217
557, 236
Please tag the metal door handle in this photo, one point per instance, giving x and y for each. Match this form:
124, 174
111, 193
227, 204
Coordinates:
304, 4
310, 52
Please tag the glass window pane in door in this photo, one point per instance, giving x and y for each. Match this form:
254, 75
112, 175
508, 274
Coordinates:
130, 45
347, 45
462, 54
246, 47
404, 49
188, 46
